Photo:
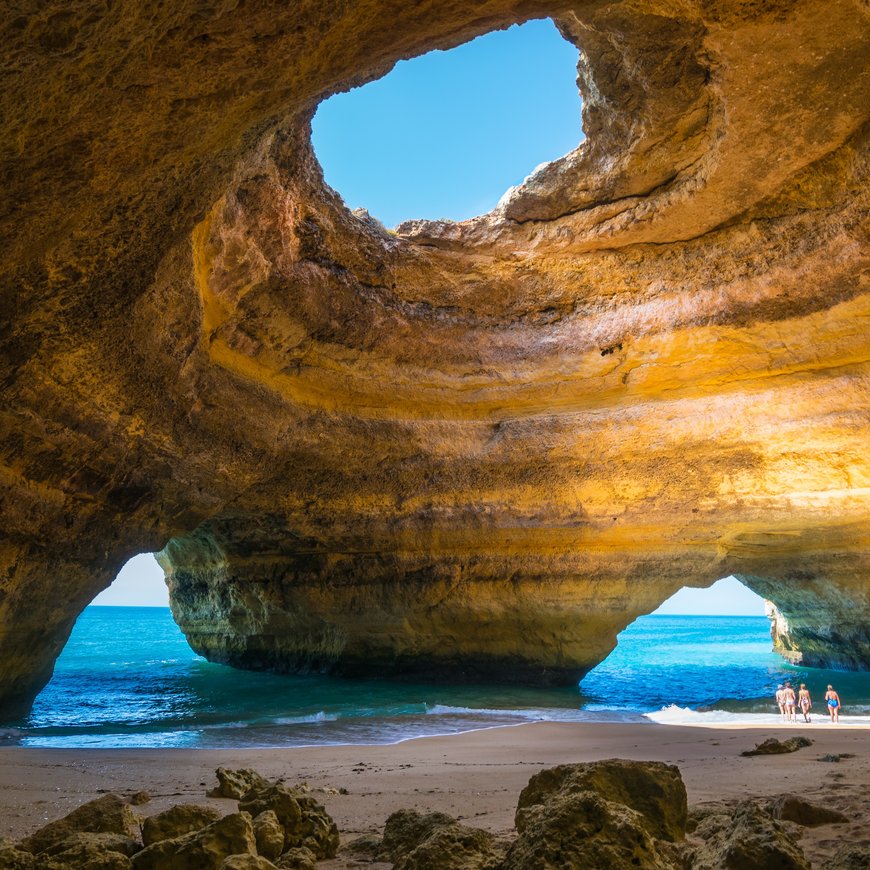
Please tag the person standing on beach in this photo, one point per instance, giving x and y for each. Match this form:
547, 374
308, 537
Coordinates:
833, 700
790, 703
805, 702
780, 700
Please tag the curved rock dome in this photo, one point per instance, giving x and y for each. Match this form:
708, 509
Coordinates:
473, 449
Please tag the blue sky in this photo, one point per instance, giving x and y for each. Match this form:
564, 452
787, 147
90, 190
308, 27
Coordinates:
446, 134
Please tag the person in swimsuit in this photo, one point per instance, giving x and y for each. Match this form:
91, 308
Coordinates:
780, 700
833, 700
805, 702
790, 703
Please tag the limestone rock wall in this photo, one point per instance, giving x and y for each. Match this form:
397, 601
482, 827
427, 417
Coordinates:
474, 449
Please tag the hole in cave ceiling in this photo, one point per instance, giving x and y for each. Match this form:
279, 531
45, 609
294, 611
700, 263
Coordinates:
443, 136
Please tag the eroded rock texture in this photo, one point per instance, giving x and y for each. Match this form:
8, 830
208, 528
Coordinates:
478, 448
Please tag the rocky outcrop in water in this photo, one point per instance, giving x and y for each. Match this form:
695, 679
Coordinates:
476, 449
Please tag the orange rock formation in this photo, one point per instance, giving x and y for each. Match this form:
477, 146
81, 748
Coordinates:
474, 449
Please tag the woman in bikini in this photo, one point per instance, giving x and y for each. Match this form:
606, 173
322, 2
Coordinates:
780, 699
833, 700
805, 702
789, 703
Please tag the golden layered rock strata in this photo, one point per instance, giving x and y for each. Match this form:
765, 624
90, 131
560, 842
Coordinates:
473, 449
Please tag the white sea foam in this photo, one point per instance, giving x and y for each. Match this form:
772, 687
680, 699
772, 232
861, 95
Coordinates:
546, 714
674, 715
306, 720
491, 713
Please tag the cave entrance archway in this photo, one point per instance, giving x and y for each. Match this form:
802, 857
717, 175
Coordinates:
706, 648
446, 134
125, 662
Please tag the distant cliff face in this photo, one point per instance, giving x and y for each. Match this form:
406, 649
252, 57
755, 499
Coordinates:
463, 450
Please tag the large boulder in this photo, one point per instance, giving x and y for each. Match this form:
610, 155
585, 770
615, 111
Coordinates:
580, 830
201, 850
791, 808
436, 842
269, 834
406, 829
304, 821
109, 814
235, 783
176, 822
751, 840
654, 790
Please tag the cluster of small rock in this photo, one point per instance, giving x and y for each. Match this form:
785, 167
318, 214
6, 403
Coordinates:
618, 815
275, 827
615, 814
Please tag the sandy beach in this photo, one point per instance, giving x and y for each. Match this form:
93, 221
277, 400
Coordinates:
474, 776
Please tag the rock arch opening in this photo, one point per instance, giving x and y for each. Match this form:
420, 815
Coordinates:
125, 662
446, 134
701, 648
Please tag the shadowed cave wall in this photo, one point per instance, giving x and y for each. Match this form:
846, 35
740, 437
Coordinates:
476, 449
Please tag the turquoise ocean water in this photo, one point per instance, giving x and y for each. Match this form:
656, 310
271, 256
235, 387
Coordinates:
127, 678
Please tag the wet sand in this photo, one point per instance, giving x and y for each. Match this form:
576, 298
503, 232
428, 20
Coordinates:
475, 776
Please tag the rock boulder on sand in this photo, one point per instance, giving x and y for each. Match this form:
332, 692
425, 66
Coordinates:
269, 835
235, 783
583, 829
751, 840
304, 821
652, 789
791, 808
611, 814
435, 842
772, 746
109, 814
138, 798
201, 850
406, 829
176, 822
